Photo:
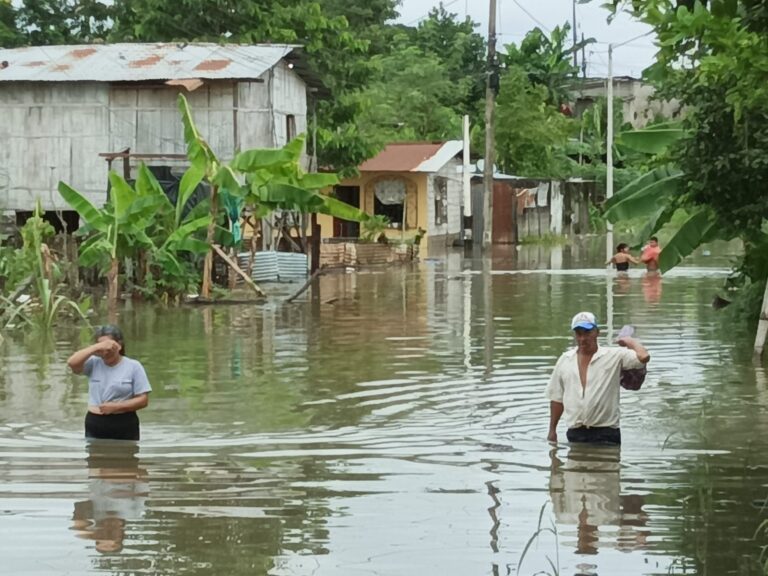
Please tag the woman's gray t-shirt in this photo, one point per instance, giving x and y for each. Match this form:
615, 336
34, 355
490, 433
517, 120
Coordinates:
122, 381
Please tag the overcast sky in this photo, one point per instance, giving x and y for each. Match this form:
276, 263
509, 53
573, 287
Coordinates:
516, 17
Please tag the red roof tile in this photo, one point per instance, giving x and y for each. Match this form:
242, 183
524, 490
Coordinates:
401, 157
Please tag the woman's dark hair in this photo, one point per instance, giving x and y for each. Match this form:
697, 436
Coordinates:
113, 332
621, 247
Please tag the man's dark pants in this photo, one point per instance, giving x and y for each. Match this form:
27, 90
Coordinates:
596, 435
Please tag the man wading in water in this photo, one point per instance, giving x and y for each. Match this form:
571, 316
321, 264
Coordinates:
586, 382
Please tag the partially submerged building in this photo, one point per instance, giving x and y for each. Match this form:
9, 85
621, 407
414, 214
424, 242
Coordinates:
69, 110
416, 185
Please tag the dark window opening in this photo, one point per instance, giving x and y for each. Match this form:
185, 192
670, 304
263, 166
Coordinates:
394, 212
345, 228
62, 221
290, 127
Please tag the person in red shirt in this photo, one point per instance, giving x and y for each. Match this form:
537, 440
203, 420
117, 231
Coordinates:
650, 255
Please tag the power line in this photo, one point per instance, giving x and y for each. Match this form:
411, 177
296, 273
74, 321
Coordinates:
532, 17
420, 18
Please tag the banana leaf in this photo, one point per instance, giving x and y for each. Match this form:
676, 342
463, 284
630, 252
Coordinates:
193, 245
644, 195
260, 159
700, 227
317, 181
189, 183
269, 159
94, 251
338, 209
145, 208
148, 186
198, 151
141, 236
290, 197
186, 230
122, 195
654, 224
225, 178
652, 140
295, 147
92, 216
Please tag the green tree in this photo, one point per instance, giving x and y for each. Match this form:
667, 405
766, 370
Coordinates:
10, 36
461, 50
547, 61
406, 101
531, 135
367, 19
44, 22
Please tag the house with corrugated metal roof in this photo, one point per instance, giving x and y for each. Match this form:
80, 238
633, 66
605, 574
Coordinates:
416, 185
69, 111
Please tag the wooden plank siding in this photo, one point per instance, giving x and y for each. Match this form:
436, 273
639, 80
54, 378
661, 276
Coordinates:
55, 131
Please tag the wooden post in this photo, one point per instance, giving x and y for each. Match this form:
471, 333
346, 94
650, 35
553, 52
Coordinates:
315, 255
490, 103
762, 325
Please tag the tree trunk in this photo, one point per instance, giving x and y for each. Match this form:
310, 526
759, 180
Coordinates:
208, 266
113, 288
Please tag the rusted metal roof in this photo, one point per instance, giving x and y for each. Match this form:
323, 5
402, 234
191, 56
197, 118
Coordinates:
140, 62
412, 157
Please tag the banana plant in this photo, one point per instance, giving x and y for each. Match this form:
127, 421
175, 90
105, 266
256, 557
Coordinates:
132, 224
657, 194
204, 166
266, 179
110, 226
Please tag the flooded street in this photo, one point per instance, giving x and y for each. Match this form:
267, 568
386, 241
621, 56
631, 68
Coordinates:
395, 423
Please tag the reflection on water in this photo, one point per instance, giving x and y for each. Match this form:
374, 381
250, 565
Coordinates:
394, 422
586, 493
118, 489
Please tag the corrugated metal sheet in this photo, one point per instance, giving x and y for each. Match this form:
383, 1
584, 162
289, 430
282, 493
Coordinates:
292, 265
271, 266
264, 265
413, 157
139, 62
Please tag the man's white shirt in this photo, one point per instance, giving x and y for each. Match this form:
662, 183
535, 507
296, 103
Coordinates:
597, 404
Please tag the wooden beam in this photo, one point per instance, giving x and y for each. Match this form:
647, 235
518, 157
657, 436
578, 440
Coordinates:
233, 265
762, 325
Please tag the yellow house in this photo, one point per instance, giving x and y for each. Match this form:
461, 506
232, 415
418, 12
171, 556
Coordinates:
417, 186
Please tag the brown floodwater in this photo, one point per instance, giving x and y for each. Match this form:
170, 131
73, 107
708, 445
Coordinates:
394, 422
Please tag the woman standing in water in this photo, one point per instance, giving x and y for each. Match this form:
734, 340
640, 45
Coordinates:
622, 258
117, 386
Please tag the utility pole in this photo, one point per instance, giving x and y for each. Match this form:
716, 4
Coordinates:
575, 38
490, 103
609, 140
609, 152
